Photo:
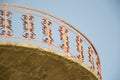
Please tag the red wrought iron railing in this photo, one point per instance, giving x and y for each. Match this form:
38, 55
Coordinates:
20, 22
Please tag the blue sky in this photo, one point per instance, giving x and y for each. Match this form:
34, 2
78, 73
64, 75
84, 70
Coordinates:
98, 19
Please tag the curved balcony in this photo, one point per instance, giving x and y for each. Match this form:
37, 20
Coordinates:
24, 24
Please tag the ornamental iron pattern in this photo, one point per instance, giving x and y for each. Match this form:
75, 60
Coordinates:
64, 38
5, 22
47, 22
79, 48
28, 26
47, 38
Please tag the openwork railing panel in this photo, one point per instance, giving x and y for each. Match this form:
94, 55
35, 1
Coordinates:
28, 24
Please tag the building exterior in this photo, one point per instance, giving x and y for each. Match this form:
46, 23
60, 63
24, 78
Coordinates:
51, 48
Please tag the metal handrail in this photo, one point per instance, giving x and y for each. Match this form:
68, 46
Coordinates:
66, 23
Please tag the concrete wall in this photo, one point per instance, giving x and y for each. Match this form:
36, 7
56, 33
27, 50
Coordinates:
20, 61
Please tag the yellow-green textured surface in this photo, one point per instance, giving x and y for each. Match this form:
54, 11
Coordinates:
21, 61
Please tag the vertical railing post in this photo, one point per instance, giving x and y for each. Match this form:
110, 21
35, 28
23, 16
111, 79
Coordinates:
79, 48
98, 67
91, 59
64, 38
28, 26
5, 23
47, 32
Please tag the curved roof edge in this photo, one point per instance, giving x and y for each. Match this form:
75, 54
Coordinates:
28, 45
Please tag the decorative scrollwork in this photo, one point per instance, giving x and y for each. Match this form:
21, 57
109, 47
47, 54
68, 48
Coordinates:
5, 23
84, 47
46, 27
90, 57
28, 26
79, 48
64, 38
98, 67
